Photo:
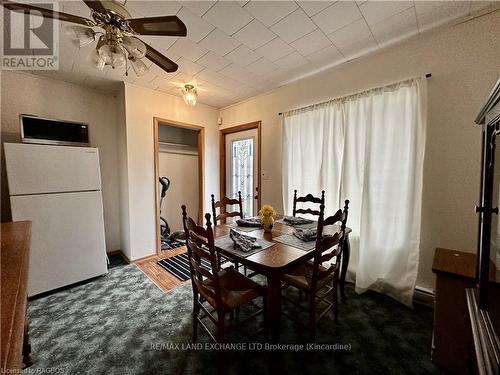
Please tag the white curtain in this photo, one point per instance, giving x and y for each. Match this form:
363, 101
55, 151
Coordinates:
367, 148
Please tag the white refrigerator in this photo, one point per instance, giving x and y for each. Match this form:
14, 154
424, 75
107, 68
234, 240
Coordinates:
58, 188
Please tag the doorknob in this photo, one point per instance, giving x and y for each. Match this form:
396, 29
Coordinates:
257, 191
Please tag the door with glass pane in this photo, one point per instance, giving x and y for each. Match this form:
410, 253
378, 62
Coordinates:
242, 168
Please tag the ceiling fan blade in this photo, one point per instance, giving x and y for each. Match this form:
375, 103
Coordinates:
163, 26
47, 13
159, 59
95, 6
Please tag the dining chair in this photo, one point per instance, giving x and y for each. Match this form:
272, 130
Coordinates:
222, 205
223, 214
216, 290
312, 277
309, 198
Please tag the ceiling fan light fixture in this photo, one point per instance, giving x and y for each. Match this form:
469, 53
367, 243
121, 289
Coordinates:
139, 67
134, 47
190, 94
81, 36
118, 59
105, 53
98, 61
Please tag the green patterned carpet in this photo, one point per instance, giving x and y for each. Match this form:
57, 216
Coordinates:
123, 324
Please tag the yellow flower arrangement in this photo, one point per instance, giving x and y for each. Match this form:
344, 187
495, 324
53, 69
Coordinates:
267, 210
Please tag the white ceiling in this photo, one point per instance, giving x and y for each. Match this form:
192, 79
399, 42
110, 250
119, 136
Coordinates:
238, 49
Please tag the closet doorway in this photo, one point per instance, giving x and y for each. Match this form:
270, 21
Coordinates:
178, 161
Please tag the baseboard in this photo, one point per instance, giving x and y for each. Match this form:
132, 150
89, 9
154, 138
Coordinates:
143, 258
424, 296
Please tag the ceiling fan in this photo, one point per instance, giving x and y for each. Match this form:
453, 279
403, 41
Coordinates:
118, 45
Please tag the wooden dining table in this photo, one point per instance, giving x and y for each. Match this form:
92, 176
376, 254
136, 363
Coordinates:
275, 261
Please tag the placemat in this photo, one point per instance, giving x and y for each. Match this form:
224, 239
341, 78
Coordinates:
227, 244
243, 229
291, 240
308, 225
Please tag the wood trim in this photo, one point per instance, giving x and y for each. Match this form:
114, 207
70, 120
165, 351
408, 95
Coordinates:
141, 259
201, 170
222, 156
126, 259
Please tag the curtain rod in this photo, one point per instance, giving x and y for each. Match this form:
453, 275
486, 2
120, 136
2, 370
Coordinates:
428, 75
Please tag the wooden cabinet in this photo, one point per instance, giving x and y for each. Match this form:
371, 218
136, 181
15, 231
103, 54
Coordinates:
484, 300
14, 255
455, 271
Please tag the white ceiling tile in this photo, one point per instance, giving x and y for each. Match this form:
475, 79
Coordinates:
221, 82
275, 49
254, 35
434, 13
242, 55
77, 8
219, 42
336, 16
395, 28
314, 7
163, 84
236, 72
293, 60
198, 7
476, 6
270, 12
227, 16
153, 72
163, 42
311, 42
375, 12
119, 75
359, 48
326, 56
262, 67
294, 26
188, 67
181, 79
154, 8
213, 61
197, 28
351, 34
188, 49
218, 79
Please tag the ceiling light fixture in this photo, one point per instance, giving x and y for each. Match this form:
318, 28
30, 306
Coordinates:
190, 94
117, 50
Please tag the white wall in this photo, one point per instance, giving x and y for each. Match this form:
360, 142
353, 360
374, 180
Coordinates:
182, 170
29, 94
464, 62
141, 105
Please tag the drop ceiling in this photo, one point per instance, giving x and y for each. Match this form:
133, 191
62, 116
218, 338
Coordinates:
238, 49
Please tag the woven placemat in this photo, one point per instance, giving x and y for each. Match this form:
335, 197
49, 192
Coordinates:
291, 240
227, 244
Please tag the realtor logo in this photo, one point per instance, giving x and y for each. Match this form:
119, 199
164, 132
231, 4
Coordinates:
30, 41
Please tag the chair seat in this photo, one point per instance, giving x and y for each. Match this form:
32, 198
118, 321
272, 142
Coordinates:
236, 289
300, 277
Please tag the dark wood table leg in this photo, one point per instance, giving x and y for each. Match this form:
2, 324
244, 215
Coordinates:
274, 305
346, 254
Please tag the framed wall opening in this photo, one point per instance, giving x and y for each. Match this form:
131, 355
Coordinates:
179, 156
